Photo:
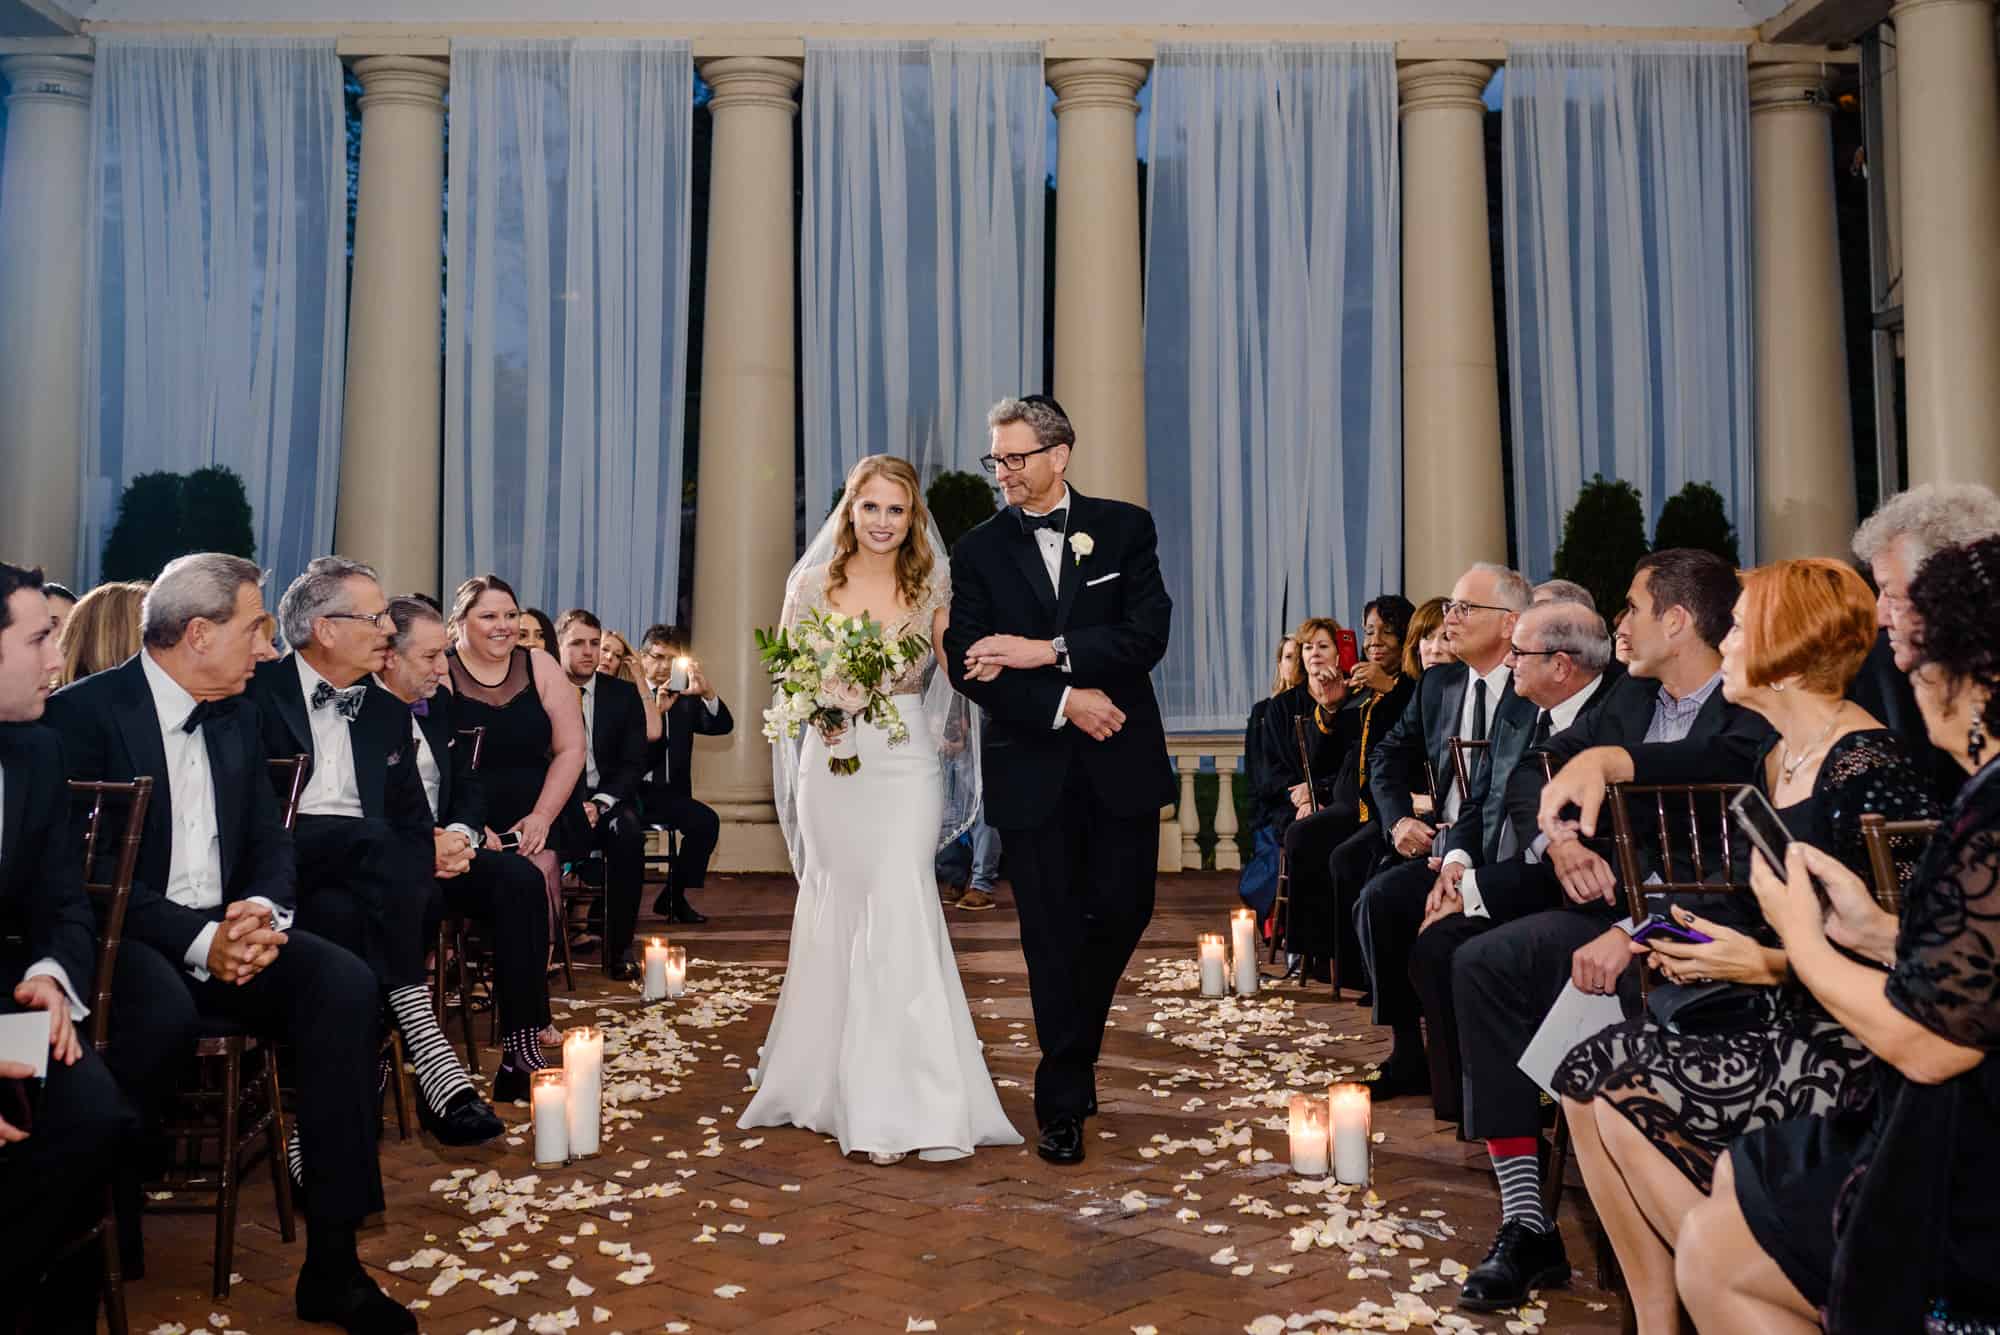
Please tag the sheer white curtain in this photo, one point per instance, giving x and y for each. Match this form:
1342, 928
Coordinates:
1273, 354
565, 321
1627, 205
216, 307
920, 266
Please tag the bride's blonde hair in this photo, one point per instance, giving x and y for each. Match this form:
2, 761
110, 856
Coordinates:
913, 558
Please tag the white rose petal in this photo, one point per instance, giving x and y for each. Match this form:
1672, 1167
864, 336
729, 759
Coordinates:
769, 1239
918, 1323
729, 1290
579, 1289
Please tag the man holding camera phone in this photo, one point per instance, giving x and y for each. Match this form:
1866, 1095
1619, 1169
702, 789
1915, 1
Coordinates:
689, 708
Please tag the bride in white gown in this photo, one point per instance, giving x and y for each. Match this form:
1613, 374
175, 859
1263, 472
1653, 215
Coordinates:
872, 1042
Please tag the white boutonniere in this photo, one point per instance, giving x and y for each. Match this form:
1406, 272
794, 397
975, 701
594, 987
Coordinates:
1082, 544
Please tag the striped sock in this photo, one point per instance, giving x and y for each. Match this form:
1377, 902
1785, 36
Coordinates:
293, 1158
1521, 1190
440, 1075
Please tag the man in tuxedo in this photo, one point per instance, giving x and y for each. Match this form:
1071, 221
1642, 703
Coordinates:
668, 794
214, 890
501, 889
1058, 615
1559, 652
56, 1149
1453, 700
606, 796
364, 834
1505, 980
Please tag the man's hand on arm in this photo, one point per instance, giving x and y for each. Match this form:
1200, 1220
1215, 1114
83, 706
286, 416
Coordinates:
1596, 968
452, 854
1093, 712
1586, 877
43, 993
1412, 836
988, 657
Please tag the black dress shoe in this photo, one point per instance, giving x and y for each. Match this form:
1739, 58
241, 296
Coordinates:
1090, 1109
663, 904
353, 1304
1397, 1082
685, 913
510, 1083
1062, 1141
466, 1120
1521, 1259
624, 971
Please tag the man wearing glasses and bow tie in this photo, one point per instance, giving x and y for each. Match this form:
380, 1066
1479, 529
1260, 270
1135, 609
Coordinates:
364, 833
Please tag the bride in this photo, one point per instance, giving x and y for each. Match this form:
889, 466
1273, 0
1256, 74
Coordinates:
872, 1042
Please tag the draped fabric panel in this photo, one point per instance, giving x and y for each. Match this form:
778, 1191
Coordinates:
920, 267
1273, 354
566, 318
215, 310
1627, 210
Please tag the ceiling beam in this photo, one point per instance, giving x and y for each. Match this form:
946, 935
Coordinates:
1825, 22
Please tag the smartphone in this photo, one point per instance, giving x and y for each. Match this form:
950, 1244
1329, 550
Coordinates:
1659, 926
1350, 652
677, 679
511, 841
1759, 821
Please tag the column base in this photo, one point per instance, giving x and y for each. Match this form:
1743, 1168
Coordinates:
751, 840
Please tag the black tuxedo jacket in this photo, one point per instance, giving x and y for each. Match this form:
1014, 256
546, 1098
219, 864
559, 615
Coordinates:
1482, 816
461, 801
41, 856
1424, 732
1113, 611
617, 741
686, 719
111, 733
385, 758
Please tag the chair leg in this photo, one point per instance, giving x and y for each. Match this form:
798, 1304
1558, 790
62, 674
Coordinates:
562, 939
1281, 908
399, 1083
440, 970
1552, 1186
465, 1002
280, 1144
115, 1321
229, 1160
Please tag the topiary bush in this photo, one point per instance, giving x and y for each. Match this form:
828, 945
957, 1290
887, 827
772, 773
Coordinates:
1696, 517
165, 515
959, 502
1604, 537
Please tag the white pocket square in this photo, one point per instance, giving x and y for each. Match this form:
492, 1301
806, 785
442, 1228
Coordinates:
1101, 579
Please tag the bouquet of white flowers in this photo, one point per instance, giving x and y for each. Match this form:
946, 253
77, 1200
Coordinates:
832, 671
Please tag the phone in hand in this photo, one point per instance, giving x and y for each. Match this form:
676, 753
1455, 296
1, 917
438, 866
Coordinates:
1659, 926
1350, 652
510, 842
677, 678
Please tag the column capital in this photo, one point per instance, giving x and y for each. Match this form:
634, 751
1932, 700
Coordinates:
1427, 85
1105, 84
1789, 87
408, 81
43, 78
1905, 7
753, 81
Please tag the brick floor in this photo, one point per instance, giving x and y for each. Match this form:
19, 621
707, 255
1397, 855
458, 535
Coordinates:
999, 1242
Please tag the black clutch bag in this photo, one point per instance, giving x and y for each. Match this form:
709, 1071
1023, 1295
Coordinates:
1708, 1008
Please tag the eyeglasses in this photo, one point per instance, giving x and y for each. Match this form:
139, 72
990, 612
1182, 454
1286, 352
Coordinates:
374, 619
1459, 608
1012, 463
1516, 651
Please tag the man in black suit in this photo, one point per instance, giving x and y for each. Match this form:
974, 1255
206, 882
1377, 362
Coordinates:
1058, 615
692, 711
214, 889
500, 888
56, 1148
1454, 700
1560, 652
606, 797
364, 834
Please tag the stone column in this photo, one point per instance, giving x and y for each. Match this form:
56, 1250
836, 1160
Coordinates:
44, 191
1805, 446
1951, 249
392, 437
743, 518
1454, 508
1100, 370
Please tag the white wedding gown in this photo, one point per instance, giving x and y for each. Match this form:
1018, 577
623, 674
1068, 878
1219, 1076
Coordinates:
872, 1042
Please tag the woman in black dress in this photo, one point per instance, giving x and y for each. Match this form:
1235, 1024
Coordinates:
1270, 805
1650, 1108
1881, 1215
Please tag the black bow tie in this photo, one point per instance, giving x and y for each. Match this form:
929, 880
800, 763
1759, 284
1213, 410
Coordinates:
346, 703
204, 710
1055, 521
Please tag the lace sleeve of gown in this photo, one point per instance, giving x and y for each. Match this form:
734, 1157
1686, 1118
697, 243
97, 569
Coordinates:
804, 594
1869, 773
1947, 974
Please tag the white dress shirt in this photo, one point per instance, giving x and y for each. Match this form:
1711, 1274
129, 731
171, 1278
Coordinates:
332, 789
1496, 682
590, 771
194, 864
43, 968
1051, 544
714, 707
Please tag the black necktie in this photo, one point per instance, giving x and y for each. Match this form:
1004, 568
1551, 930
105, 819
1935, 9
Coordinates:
1541, 733
346, 703
1054, 520
204, 710
1478, 709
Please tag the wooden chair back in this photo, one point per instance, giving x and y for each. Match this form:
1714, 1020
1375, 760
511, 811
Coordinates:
474, 738
1881, 837
288, 776
1673, 804
106, 843
1465, 753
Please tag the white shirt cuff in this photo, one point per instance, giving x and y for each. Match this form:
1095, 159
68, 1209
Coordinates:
1538, 849
714, 706
281, 919
1062, 708
1469, 896
605, 800
50, 969
470, 835
1629, 926
1459, 856
197, 952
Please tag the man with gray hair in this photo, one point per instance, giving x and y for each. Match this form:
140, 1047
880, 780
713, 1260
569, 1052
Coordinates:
364, 833
1563, 591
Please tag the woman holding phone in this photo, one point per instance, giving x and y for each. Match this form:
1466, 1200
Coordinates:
1652, 1106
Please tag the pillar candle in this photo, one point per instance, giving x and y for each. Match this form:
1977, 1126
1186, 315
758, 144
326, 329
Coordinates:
1243, 945
656, 970
1308, 1128
551, 1104
1349, 1111
583, 1068
1214, 973
677, 968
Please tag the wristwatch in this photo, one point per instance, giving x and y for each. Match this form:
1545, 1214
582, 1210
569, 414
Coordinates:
1061, 646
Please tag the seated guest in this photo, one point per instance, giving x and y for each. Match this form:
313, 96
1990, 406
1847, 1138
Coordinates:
1505, 980
56, 1145
61, 603
1271, 807
1461, 700
103, 630
533, 753
538, 633
1427, 646
214, 890
364, 835
1559, 653
604, 805
1304, 731
503, 890
1562, 591
1880, 1215
693, 711
1650, 1107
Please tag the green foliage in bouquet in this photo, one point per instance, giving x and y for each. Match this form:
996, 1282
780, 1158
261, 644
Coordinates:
832, 671
165, 515
1604, 537
1696, 517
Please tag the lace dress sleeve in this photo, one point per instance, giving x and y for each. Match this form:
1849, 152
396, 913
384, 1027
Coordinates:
1947, 975
805, 593
1871, 774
